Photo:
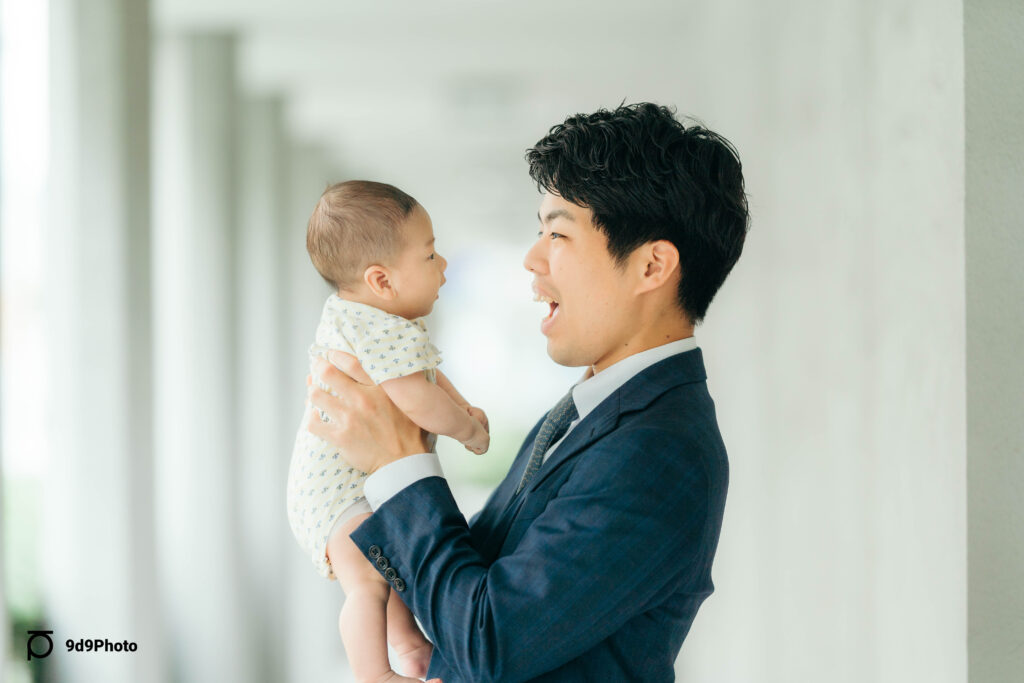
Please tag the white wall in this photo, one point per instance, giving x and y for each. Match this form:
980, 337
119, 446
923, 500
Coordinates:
836, 351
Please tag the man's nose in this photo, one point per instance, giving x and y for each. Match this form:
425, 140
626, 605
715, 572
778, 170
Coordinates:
534, 260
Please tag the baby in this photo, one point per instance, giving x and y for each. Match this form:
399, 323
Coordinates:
374, 245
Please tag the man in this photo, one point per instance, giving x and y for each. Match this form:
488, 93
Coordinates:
591, 558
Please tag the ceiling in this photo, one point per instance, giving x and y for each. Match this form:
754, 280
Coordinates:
443, 98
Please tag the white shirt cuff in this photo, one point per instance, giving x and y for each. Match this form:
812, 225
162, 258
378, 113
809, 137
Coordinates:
395, 476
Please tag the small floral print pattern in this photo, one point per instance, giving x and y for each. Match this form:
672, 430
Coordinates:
387, 346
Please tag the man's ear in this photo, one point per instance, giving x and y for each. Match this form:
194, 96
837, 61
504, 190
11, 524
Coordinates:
660, 262
378, 279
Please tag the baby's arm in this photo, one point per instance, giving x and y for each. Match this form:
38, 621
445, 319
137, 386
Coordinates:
445, 383
430, 406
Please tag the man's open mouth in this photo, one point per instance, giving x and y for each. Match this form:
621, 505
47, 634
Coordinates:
537, 296
549, 319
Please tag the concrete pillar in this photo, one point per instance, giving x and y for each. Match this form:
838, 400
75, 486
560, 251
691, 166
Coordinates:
265, 430
199, 469
98, 550
314, 648
309, 175
3, 574
995, 335
835, 350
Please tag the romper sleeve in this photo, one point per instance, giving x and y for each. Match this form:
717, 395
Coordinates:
391, 346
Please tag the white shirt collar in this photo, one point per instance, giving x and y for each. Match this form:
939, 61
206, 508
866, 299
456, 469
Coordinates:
590, 392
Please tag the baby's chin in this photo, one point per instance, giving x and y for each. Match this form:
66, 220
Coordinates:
421, 313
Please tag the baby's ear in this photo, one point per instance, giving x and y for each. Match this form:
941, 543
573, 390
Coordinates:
378, 279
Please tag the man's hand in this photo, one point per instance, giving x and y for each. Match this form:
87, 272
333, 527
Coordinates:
362, 421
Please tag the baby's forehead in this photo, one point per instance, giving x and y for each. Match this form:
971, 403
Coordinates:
417, 228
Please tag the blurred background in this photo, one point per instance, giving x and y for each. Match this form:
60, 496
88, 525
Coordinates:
159, 163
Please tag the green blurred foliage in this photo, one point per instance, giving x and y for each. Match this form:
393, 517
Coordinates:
22, 504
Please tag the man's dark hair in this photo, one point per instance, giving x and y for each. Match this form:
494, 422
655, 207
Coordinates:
645, 176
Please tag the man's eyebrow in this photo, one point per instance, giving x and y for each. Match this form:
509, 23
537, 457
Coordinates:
555, 213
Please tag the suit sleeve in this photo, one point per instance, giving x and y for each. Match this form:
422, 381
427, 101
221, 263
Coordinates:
631, 518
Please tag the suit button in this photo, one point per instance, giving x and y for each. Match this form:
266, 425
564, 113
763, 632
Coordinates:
399, 585
382, 562
390, 574
374, 552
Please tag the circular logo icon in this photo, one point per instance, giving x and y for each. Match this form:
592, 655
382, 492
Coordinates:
43, 635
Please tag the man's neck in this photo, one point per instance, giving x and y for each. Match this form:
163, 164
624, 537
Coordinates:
666, 331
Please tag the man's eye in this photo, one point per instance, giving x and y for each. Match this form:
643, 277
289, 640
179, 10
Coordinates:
555, 235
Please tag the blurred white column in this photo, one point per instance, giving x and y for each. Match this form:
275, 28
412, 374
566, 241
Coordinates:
98, 502
265, 428
4, 626
199, 472
835, 351
315, 651
995, 335
309, 174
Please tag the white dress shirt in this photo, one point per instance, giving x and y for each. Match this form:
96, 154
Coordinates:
587, 394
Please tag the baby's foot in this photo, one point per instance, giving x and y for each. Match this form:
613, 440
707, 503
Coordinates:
392, 677
414, 662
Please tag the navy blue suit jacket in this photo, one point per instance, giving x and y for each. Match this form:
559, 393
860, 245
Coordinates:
596, 570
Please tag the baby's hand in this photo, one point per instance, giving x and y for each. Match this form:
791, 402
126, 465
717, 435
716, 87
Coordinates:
480, 416
480, 441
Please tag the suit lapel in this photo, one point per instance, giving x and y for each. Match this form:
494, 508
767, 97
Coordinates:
491, 526
636, 394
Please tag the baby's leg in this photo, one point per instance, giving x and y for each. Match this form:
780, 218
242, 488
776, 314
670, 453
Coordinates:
362, 620
412, 648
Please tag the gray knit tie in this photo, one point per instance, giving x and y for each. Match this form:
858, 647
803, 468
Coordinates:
554, 427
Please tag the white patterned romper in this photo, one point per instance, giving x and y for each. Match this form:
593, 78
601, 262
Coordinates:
323, 489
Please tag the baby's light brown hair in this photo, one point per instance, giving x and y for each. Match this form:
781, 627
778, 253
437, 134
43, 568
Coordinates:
356, 224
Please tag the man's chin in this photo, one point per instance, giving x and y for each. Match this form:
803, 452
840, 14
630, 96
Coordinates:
566, 357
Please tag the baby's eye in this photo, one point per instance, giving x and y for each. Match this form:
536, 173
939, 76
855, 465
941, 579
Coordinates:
432, 256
